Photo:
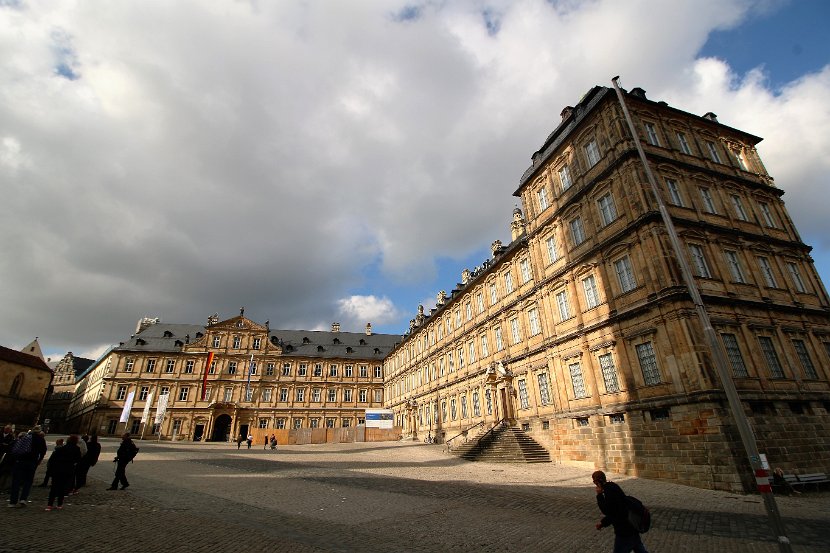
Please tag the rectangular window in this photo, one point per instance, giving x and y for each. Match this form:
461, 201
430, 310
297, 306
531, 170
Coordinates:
349, 370
565, 177
151, 365
364, 371
122, 393
795, 276
651, 134
674, 192
302, 370
347, 395
299, 395
553, 255
269, 369
766, 214
128, 366
804, 357
263, 423
542, 195
508, 282
476, 404
471, 349
450, 362
713, 151
607, 209
592, 153
332, 394
318, 369
533, 318
188, 366
228, 394
733, 352
766, 270
460, 358
378, 396
237, 342
183, 393
648, 363
286, 369
524, 269
708, 202
362, 396
266, 395
523, 399
625, 275
544, 388
480, 302
564, 307
591, 293
499, 341
578, 382
468, 312
283, 394
281, 424
212, 369
699, 265
458, 311
463, 400
577, 231
609, 373
332, 370
684, 144
738, 205
216, 340
249, 394
735, 266
378, 372
739, 157
142, 395
257, 342
232, 367
514, 330
171, 364
298, 423
494, 294
315, 395
315, 423
346, 422
773, 364
485, 352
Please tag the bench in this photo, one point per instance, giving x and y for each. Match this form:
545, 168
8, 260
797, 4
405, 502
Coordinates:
791, 479
816, 479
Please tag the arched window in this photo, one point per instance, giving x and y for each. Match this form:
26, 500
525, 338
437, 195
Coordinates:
17, 384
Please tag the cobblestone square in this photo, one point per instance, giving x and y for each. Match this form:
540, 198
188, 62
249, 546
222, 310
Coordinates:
379, 497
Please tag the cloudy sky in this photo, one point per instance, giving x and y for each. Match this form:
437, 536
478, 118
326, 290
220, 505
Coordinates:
338, 161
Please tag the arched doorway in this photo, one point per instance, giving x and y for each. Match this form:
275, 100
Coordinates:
221, 428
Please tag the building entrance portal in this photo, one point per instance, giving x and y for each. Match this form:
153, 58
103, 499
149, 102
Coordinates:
199, 433
221, 428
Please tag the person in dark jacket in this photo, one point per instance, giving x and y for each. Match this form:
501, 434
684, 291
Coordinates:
48, 475
126, 452
93, 450
63, 461
611, 501
6, 460
28, 451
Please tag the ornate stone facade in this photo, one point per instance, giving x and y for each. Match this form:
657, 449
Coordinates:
56, 406
582, 331
24, 382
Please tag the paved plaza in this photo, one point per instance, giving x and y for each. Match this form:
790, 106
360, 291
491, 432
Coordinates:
379, 497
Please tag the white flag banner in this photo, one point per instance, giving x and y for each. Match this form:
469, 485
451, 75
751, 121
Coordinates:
128, 406
146, 414
161, 408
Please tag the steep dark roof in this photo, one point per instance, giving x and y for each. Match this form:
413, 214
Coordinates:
153, 337
20, 358
80, 364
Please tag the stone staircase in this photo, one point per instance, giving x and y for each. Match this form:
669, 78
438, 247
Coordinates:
505, 444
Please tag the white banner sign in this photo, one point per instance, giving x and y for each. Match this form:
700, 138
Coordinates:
161, 408
128, 405
146, 414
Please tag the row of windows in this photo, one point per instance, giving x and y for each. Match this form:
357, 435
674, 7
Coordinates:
270, 368
709, 204
712, 151
266, 394
769, 352
236, 343
734, 262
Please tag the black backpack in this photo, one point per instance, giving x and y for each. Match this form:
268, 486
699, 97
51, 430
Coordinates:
638, 514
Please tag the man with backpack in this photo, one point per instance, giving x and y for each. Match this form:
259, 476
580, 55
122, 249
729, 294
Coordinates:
125, 454
615, 507
27, 452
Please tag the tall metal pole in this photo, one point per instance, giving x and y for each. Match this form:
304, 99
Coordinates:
715, 346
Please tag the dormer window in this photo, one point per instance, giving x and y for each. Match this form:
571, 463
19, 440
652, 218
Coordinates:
306, 340
349, 350
337, 340
377, 351
362, 342
199, 335
179, 344
320, 348
168, 334
140, 342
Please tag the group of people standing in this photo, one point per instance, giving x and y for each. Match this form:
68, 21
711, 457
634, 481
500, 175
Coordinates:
67, 466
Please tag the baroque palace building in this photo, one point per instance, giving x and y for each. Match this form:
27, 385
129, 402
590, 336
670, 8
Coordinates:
257, 379
582, 332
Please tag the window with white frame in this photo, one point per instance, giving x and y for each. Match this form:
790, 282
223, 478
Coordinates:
524, 269
542, 196
249, 393
316, 395
625, 274
212, 369
232, 367
609, 373
485, 352
257, 343
684, 144
299, 394
378, 371
347, 395
494, 294
651, 134
302, 370
701, 268
739, 157
458, 311
771, 356
286, 369
216, 340
128, 365
228, 394
533, 319
122, 393
804, 358
183, 393
713, 151
544, 388
499, 341
565, 177
378, 395
476, 404
298, 423
648, 363
348, 371
766, 270
441, 366
362, 395
450, 362
578, 382
332, 394
463, 400
508, 282
674, 192
592, 153
738, 205
318, 369
237, 341
266, 395
795, 276
563, 305
480, 302
188, 366
269, 369
553, 255
577, 231
734, 263
252, 368
151, 366
468, 311
283, 394
332, 370
514, 330
589, 284
281, 424
733, 352
471, 349
708, 202
607, 209
460, 358
142, 395
766, 214
523, 398
171, 364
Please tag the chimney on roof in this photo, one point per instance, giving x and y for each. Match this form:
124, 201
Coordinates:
638, 92
710, 116
335, 327
565, 113
368, 329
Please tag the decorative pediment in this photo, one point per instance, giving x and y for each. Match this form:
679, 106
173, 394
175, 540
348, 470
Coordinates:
239, 323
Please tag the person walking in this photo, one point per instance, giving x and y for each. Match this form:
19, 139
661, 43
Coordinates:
125, 454
250, 440
273, 442
612, 504
48, 475
28, 451
64, 461
88, 459
239, 441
